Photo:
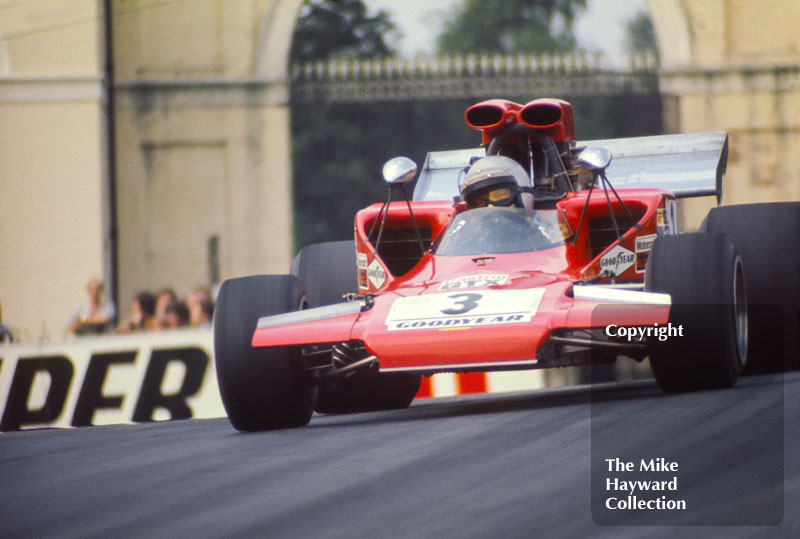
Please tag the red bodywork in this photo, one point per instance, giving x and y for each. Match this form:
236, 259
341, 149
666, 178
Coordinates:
482, 345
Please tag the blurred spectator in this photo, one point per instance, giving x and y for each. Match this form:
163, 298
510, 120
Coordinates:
5, 331
177, 315
143, 317
201, 307
200, 314
164, 300
197, 296
96, 316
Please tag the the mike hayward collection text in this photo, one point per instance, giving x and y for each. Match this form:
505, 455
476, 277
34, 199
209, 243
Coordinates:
642, 494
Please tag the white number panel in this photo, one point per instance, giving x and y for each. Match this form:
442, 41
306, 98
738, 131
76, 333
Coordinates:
464, 309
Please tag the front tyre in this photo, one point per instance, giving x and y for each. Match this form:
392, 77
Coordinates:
704, 275
261, 388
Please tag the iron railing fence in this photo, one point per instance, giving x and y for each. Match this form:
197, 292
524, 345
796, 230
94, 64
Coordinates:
394, 79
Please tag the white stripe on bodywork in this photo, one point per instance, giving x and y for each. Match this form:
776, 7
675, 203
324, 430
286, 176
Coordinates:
311, 315
616, 295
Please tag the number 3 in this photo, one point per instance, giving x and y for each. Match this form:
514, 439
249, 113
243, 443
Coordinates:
466, 302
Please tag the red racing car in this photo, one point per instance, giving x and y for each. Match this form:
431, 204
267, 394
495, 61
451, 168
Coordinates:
532, 251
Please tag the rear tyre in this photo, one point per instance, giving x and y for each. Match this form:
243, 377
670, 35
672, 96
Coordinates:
328, 272
261, 388
705, 277
765, 235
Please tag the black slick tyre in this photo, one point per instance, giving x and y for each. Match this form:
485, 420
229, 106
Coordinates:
766, 236
704, 275
327, 270
261, 388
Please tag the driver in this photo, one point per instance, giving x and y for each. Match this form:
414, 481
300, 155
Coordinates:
497, 180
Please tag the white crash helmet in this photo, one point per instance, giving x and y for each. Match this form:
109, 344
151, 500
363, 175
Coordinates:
497, 180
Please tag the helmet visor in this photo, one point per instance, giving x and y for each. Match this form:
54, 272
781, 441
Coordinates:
496, 196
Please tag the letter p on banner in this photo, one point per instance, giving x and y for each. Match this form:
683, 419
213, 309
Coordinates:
18, 412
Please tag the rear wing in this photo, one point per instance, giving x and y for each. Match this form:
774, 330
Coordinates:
687, 165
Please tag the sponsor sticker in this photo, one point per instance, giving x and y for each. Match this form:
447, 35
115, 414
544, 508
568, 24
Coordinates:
667, 218
643, 246
661, 217
474, 281
453, 310
376, 274
617, 260
361, 263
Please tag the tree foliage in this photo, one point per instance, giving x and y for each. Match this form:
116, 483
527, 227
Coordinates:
340, 28
510, 27
640, 36
339, 150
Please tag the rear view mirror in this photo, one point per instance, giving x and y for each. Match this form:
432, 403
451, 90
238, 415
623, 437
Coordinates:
595, 157
399, 170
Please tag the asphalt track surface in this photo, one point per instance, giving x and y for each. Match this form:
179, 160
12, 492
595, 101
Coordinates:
508, 465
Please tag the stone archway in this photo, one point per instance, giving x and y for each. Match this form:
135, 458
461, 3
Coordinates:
672, 32
271, 57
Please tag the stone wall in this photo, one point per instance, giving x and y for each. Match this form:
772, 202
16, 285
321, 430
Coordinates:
734, 65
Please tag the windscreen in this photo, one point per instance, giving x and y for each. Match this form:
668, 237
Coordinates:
503, 230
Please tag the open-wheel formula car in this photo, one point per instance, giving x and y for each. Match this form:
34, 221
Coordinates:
531, 251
